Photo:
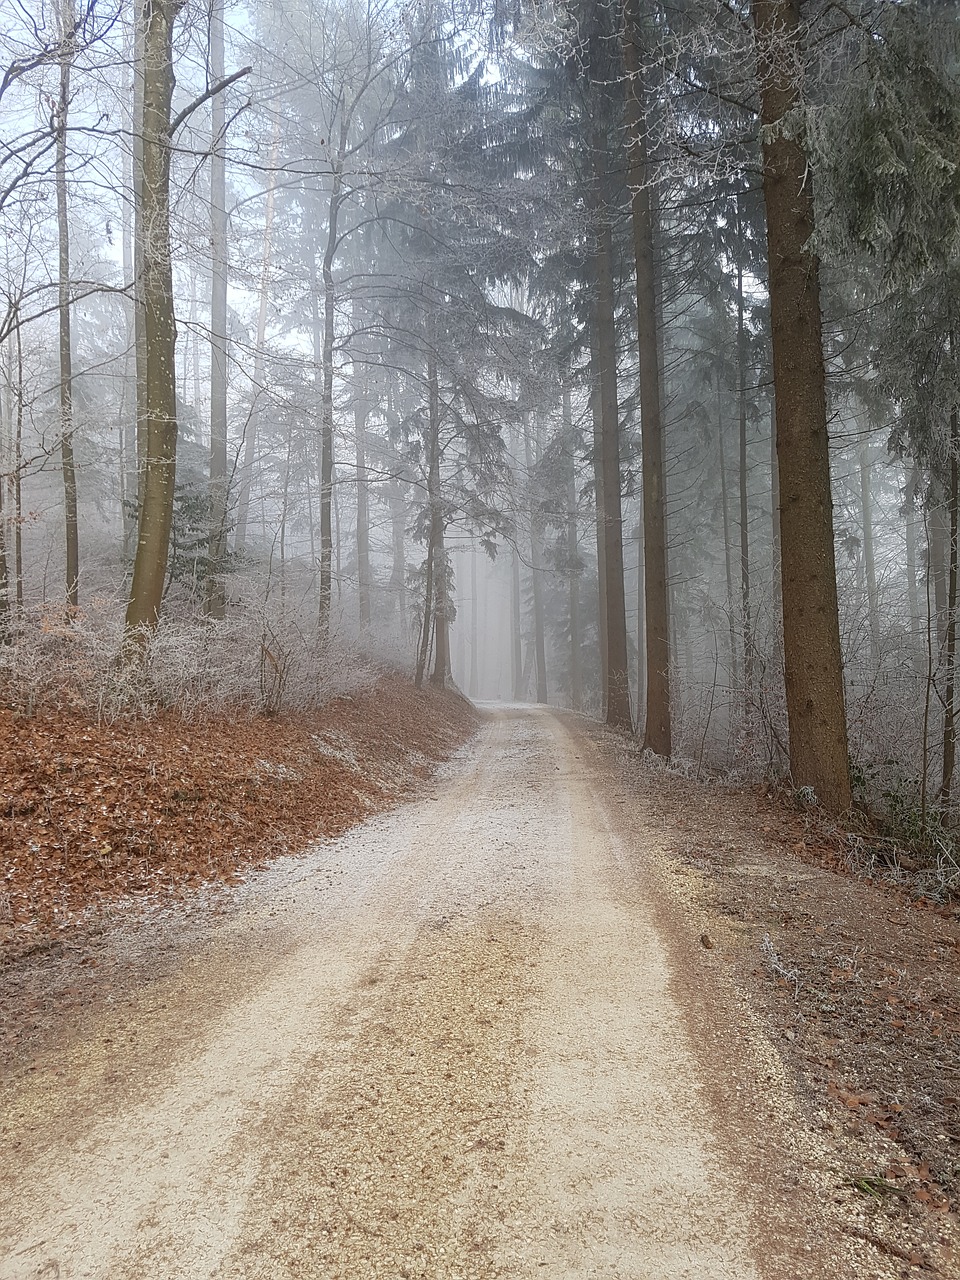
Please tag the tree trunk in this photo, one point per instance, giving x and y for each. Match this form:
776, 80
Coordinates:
573, 556
748, 654
536, 569
424, 650
259, 355
596, 416
18, 477
474, 685
516, 618
949, 697
869, 559
727, 549
913, 595
326, 408
156, 395
441, 595
217, 545
360, 409
617, 693
812, 657
129, 462
657, 728
67, 459
776, 589
398, 571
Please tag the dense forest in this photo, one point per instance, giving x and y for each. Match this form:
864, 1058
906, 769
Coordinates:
600, 354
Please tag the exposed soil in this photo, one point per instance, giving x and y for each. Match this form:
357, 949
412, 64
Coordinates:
563, 1016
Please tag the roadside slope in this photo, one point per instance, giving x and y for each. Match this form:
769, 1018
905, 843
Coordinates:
95, 812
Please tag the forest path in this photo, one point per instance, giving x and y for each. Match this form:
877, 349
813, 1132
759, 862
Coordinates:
450, 1044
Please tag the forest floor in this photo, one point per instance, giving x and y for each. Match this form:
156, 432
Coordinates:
561, 1014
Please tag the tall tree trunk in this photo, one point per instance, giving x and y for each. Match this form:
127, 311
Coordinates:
259, 356
326, 407
531, 458
474, 685
748, 654
428, 609
776, 589
398, 571
596, 415
139, 305
573, 555
129, 462
657, 728
913, 595
617, 693
812, 657
360, 410
441, 594
18, 476
6, 454
869, 558
516, 619
217, 545
950, 656
156, 396
727, 549
67, 459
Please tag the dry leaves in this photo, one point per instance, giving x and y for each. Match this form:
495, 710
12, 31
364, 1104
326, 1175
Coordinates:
98, 811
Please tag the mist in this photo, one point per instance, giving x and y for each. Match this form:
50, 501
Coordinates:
444, 335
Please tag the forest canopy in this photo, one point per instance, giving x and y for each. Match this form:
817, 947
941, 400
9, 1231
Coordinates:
601, 354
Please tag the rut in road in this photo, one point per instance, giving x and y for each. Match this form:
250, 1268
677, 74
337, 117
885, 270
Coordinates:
442, 1046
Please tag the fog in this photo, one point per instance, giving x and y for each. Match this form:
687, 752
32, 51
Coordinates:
340, 332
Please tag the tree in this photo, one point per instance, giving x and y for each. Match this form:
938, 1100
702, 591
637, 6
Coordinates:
156, 386
656, 735
813, 664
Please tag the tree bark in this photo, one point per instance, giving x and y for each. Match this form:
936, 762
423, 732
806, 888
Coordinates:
326, 407
360, 409
536, 570
913, 595
657, 727
217, 545
727, 550
474, 685
747, 620
596, 415
66, 424
516, 618
812, 657
617, 691
156, 395
441, 595
259, 355
869, 558
573, 556
950, 654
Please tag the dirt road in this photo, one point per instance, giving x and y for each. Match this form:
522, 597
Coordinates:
455, 1043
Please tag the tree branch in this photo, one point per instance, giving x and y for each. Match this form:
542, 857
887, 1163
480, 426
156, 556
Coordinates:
209, 93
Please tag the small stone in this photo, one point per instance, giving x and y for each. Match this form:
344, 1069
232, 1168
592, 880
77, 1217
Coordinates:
707, 941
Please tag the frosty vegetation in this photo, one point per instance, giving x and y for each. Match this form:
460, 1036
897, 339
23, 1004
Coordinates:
446, 331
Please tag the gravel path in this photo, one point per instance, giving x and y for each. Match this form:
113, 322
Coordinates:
449, 1044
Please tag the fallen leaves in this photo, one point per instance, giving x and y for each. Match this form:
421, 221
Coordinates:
91, 812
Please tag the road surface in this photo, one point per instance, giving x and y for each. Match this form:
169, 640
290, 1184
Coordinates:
449, 1044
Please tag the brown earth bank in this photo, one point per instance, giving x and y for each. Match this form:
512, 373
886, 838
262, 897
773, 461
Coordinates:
855, 984
92, 813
